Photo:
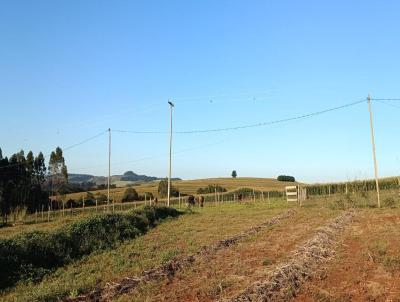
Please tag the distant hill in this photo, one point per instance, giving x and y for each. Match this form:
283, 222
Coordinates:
131, 176
127, 177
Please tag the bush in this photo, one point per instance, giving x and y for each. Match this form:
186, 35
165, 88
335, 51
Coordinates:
163, 189
130, 194
101, 197
286, 178
32, 255
90, 200
210, 189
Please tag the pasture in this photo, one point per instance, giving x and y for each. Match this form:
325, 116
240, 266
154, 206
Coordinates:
220, 251
191, 186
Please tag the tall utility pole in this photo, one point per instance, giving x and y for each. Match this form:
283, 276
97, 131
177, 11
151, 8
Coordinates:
171, 105
373, 150
109, 166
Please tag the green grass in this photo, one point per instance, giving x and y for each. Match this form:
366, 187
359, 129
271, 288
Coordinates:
191, 186
174, 237
30, 256
181, 236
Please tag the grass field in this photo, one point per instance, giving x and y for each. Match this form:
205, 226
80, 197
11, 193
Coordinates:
191, 186
365, 268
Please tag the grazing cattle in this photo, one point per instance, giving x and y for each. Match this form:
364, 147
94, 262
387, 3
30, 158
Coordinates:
191, 200
201, 201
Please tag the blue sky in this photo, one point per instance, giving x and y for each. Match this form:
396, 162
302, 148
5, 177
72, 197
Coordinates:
71, 69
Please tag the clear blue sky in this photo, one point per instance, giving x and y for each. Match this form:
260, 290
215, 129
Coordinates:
70, 69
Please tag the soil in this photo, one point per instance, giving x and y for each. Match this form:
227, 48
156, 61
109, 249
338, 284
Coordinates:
367, 267
231, 270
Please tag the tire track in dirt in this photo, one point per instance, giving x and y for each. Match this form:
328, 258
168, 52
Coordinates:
285, 280
231, 270
367, 266
169, 269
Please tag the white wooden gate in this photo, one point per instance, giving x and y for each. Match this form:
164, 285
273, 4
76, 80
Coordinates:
291, 193
296, 194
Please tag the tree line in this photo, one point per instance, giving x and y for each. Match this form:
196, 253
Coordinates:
26, 182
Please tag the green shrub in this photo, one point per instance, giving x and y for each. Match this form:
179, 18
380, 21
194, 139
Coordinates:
211, 189
286, 178
130, 194
32, 255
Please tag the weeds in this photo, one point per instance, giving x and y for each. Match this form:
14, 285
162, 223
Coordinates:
389, 202
378, 252
31, 256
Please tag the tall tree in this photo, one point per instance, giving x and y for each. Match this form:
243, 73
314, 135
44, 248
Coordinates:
163, 189
39, 169
58, 170
30, 162
234, 174
21, 181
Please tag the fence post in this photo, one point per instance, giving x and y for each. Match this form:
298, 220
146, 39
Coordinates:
179, 200
48, 214
301, 196
36, 216
42, 212
398, 181
96, 205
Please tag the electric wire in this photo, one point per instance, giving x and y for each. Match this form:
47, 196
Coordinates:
65, 149
261, 124
388, 104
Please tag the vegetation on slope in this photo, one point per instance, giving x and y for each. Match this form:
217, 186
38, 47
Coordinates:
32, 255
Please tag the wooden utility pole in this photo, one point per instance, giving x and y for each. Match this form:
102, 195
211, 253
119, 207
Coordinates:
109, 166
171, 105
373, 150
215, 195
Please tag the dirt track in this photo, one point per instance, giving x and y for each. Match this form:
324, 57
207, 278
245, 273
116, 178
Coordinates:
230, 270
169, 269
286, 279
367, 267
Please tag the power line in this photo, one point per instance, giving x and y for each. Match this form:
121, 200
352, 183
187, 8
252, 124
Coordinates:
388, 104
85, 141
385, 99
261, 124
65, 149
176, 153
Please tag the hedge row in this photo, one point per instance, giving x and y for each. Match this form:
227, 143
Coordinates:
354, 186
32, 255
